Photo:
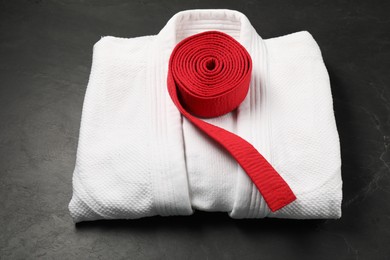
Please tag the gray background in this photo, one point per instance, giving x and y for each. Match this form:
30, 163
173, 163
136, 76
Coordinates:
45, 59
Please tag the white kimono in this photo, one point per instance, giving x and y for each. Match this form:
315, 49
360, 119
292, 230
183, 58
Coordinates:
137, 156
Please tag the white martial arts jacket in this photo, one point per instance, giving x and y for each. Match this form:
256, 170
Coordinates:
137, 156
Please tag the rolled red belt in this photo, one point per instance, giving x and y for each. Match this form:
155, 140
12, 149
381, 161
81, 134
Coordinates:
209, 75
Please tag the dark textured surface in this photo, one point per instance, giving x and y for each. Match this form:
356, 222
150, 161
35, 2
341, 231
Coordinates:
45, 58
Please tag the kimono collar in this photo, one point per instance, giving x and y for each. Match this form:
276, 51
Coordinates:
187, 23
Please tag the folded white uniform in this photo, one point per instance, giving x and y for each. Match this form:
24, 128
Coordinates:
137, 156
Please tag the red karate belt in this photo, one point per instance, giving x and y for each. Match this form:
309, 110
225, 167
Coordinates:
209, 75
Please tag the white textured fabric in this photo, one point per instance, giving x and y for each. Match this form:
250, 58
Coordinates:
138, 157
